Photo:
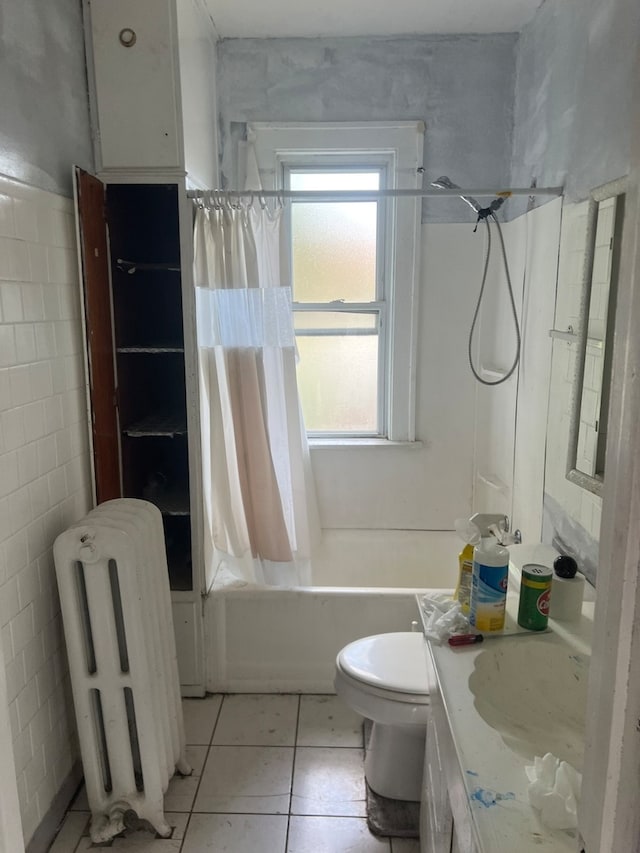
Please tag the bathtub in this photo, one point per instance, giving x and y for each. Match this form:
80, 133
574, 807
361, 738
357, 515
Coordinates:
285, 640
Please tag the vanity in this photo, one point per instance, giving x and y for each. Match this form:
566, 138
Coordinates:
494, 707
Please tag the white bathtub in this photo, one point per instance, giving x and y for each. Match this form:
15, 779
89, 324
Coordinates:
273, 640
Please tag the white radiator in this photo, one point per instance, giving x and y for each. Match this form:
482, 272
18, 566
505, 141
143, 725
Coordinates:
116, 609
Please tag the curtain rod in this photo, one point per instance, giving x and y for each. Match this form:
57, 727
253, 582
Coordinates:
372, 195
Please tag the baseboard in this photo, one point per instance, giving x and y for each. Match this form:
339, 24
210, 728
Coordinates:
48, 827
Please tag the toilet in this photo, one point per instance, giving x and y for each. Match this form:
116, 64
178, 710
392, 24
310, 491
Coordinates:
385, 679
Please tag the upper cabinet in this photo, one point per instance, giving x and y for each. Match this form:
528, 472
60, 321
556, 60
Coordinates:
152, 79
137, 96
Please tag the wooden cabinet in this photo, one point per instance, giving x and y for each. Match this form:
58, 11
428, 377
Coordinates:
151, 69
138, 311
436, 820
446, 825
133, 48
149, 457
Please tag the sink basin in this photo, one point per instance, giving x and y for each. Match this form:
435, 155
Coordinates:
534, 693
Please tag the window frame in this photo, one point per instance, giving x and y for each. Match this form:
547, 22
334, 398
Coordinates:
397, 147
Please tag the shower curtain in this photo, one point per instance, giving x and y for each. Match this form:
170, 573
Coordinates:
259, 498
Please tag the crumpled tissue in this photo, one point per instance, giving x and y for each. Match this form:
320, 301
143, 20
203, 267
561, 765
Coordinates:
443, 617
554, 789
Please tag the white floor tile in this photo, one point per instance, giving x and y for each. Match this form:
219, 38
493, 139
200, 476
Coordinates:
196, 756
71, 832
181, 792
80, 804
200, 717
233, 833
178, 822
144, 842
333, 835
328, 781
246, 779
257, 720
405, 845
327, 721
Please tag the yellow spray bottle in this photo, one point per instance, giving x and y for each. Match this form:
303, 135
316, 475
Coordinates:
470, 535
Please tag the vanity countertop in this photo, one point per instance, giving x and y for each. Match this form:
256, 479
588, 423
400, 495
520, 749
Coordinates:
491, 771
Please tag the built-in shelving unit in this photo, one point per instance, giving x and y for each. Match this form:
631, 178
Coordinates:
149, 344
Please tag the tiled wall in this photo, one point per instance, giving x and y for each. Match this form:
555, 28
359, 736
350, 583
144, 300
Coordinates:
570, 508
44, 478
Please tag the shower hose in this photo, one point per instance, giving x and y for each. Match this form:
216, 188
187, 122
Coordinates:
490, 214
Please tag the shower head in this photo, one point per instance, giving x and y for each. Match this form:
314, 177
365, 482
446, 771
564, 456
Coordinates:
445, 183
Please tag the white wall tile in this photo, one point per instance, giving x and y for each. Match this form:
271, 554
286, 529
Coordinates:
7, 227
8, 354
27, 464
25, 338
44, 475
24, 219
9, 473
20, 385
11, 301
33, 302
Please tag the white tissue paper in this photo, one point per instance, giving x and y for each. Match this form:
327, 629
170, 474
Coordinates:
554, 789
443, 617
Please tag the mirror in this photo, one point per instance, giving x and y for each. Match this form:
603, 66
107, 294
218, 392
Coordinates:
594, 337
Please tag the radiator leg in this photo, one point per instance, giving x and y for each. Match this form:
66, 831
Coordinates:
105, 826
183, 767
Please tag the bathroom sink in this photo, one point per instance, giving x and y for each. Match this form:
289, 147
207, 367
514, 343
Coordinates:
533, 693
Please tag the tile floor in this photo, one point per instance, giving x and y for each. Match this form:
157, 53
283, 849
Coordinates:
272, 774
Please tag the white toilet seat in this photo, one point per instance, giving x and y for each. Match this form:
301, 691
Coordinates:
390, 666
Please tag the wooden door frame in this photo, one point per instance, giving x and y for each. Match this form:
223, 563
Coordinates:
97, 325
609, 817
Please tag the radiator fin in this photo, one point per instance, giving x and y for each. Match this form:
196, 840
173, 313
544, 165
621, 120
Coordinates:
101, 739
133, 738
118, 616
87, 633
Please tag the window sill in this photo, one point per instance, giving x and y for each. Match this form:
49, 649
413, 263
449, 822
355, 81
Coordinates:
348, 443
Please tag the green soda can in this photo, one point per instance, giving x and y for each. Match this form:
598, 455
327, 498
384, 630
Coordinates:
535, 594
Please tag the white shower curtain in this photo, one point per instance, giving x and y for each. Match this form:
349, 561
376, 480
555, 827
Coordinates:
260, 510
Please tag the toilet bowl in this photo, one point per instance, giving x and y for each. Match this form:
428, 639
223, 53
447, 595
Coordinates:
384, 678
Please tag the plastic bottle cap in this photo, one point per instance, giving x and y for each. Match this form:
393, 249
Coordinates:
565, 567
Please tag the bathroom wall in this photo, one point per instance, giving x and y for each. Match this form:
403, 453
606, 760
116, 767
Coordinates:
44, 462
44, 478
460, 86
572, 127
43, 97
573, 97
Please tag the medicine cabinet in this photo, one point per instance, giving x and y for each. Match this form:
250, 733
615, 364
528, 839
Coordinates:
594, 337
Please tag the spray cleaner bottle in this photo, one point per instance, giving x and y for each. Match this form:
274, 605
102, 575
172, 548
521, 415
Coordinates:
490, 574
470, 535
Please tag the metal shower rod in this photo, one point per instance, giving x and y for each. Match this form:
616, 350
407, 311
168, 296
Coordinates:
372, 195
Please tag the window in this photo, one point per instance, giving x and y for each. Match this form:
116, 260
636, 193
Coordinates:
353, 271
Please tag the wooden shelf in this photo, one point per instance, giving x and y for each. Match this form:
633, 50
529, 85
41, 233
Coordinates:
168, 425
132, 267
169, 502
152, 349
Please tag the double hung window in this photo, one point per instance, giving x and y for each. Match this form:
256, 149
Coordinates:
354, 266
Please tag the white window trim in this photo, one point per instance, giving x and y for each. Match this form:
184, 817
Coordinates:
401, 143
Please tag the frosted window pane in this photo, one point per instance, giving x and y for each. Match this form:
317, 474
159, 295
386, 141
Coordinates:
334, 244
334, 320
338, 382
334, 251
334, 180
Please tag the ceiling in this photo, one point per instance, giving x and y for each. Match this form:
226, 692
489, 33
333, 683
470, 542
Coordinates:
290, 18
